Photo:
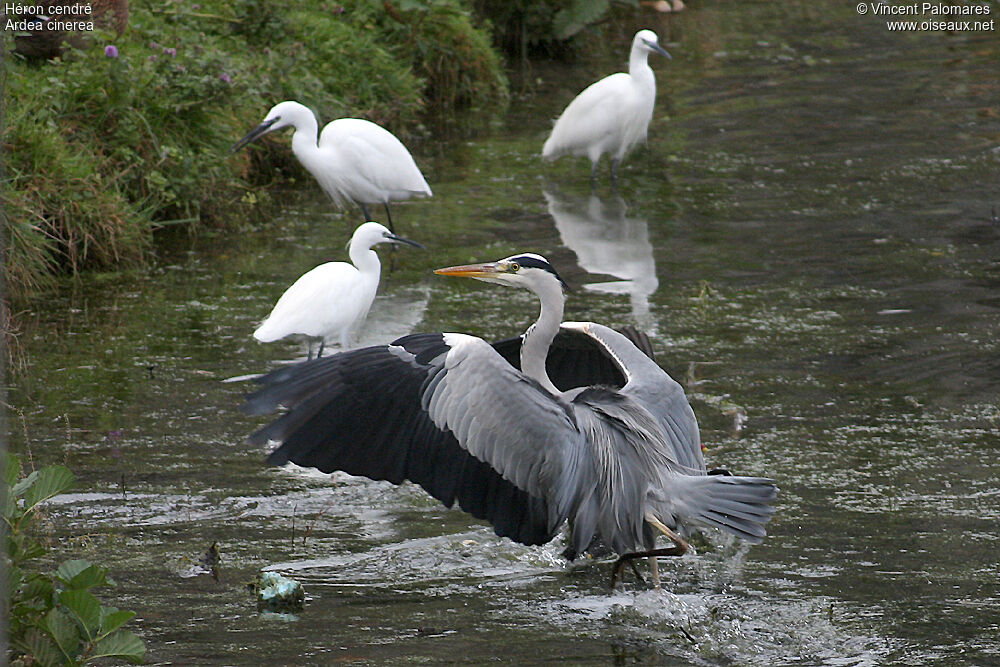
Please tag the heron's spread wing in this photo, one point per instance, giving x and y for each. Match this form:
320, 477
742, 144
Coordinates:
360, 412
442, 410
654, 389
576, 359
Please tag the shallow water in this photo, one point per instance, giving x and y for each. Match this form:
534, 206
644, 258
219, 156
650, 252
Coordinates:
814, 205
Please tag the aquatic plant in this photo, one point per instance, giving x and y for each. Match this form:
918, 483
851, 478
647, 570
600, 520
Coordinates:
54, 619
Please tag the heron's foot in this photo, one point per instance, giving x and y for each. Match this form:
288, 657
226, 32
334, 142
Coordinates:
679, 548
626, 559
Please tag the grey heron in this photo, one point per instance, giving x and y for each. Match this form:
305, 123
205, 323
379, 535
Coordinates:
571, 422
611, 115
331, 301
354, 160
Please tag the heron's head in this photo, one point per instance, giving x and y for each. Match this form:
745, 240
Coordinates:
372, 233
526, 270
648, 41
284, 114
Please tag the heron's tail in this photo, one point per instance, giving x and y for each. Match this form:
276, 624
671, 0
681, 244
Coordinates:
739, 505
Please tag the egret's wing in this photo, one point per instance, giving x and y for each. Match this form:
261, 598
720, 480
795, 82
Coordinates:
597, 112
375, 156
320, 301
363, 412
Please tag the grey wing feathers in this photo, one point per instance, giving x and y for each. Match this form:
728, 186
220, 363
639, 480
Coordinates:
360, 412
504, 418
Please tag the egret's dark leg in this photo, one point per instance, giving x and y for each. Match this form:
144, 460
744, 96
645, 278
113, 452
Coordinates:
309, 353
593, 175
364, 210
614, 170
388, 216
322, 344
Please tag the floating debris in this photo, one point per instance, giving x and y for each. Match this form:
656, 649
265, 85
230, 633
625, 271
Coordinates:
278, 593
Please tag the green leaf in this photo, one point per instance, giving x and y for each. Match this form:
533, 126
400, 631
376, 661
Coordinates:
85, 608
122, 644
112, 619
37, 587
11, 469
95, 575
71, 568
577, 16
20, 487
41, 647
52, 481
63, 631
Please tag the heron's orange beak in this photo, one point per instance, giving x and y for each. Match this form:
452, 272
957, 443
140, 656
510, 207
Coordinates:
473, 270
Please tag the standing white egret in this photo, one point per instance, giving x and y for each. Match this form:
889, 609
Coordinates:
354, 160
331, 301
580, 426
611, 115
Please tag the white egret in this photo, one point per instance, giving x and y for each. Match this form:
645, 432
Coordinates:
354, 160
570, 422
331, 301
611, 115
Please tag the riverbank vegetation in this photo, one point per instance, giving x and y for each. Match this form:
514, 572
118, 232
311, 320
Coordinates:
128, 132
131, 133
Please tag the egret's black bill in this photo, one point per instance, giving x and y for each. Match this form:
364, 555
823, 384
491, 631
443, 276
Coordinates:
253, 134
400, 239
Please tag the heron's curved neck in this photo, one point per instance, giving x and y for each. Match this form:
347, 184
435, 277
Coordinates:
537, 339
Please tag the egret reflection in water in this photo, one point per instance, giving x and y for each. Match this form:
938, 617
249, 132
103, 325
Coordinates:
606, 241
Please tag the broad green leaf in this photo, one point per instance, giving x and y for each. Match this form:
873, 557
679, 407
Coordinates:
37, 587
52, 481
112, 619
71, 568
121, 644
20, 487
40, 646
95, 575
63, 630
85, 608
11, 469
578, 15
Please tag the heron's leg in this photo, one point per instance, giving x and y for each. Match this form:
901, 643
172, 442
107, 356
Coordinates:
654, 569
309, 353
614, 170
322, 344
593, 174
364, 210
680, 548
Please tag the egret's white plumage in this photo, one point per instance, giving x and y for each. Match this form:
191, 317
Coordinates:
354, 160
331, 301
611, 115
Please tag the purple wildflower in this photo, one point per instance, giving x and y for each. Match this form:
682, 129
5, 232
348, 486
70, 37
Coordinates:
225, 77
111, 51
171, 51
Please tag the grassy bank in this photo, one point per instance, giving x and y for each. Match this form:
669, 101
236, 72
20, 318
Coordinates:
109, 142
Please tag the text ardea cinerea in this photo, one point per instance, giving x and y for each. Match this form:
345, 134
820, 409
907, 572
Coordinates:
570, 422
611, 115
331, 301
354, 160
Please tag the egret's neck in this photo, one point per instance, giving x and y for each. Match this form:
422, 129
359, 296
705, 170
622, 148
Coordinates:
537, 339
367, 262
305, 139
638, 66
